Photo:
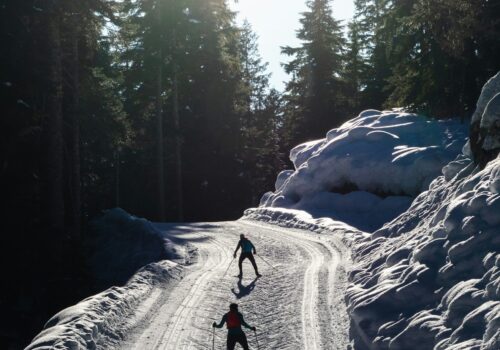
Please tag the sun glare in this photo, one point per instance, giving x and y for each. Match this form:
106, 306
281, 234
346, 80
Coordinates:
276, 22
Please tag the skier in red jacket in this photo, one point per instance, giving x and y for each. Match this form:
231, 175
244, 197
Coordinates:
234, 320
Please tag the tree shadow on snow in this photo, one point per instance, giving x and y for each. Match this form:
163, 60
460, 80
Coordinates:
243, 290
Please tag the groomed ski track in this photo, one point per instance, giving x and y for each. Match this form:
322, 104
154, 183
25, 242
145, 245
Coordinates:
295, 305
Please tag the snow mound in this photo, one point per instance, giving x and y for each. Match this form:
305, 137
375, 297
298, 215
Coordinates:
102, 318
300, 219
432, 276
119, 244
121, 250
368, 170
485, 125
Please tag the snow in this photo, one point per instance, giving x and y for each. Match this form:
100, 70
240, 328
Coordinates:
491, 120
432, 275
490, 89
288, 305
120, 246
92, 320
302, 220
485, 127
407, 196
367, 171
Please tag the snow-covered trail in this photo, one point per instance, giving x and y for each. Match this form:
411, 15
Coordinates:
295, 305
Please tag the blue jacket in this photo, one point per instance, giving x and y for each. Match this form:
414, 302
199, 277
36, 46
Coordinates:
246, 246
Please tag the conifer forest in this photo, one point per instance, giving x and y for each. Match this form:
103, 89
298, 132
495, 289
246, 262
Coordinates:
164, 108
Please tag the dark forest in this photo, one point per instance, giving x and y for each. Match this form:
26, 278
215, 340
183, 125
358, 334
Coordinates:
164, 108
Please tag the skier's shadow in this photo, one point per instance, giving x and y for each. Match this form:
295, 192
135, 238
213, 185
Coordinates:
243, 290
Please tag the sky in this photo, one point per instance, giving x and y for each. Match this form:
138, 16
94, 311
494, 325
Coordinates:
276, 22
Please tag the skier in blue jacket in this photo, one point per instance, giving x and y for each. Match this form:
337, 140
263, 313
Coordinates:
246, 252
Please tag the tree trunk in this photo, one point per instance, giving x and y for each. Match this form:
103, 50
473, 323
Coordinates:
74, 119
159, 140
117, 178
53, 131
178, 155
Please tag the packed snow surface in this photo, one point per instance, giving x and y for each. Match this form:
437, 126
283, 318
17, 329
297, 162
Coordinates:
367, 171
296, 304
104, 318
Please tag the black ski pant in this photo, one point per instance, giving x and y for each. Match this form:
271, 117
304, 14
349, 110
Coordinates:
233, 338
250, 257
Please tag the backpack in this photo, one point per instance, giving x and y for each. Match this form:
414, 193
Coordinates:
233, 320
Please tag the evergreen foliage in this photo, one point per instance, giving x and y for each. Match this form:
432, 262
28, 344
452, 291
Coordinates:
430, 56
316, 93
163, 107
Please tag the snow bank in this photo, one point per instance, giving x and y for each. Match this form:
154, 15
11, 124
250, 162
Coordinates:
299, 219
485, 126
103, 318
432, 276
121, 250
369, 170
119, 244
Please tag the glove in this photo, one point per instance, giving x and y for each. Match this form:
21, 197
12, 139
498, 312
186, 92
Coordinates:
214, 324
234, 255
254, 329
255, 252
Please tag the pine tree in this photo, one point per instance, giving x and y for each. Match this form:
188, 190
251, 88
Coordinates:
356, 68
433, 55
372, 30
261, 120
315, 95
201, 95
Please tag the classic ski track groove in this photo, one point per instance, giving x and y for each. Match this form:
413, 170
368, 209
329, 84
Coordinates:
170, 339
310, 325
183, 317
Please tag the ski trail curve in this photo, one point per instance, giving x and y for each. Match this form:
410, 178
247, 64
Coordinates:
292, 305
182, 316
318, 252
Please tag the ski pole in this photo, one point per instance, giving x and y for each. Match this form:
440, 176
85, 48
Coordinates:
266, 261
213, 338
228, 268
256, 339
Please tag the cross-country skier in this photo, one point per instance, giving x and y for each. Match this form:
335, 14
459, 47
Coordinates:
246, 252
234, 320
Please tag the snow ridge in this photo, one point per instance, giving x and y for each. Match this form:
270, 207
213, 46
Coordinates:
104, 318
433, 274
302, 220
119, 246
367, 171
429, 278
